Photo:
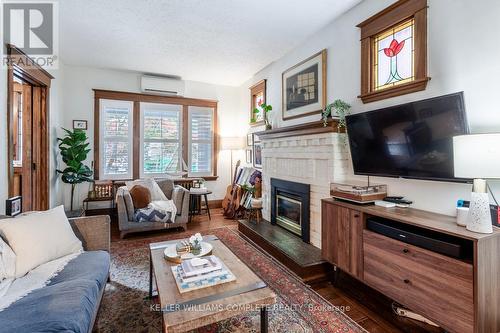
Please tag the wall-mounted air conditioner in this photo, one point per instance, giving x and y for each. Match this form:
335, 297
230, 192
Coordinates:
162, 85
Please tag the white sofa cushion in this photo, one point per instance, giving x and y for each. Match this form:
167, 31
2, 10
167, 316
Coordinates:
39, 237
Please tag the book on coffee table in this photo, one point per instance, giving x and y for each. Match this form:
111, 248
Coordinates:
203, 280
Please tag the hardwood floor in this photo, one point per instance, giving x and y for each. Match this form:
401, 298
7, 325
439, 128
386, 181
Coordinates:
367, 307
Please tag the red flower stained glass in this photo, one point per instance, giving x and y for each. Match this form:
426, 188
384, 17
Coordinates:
394, 48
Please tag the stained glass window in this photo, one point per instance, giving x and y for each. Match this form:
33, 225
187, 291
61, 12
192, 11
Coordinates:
258, 100
394, 56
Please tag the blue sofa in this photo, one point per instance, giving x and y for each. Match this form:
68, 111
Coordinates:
70, 301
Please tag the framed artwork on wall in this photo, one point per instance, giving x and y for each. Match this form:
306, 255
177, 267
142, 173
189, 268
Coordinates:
257, 155
303, 87
250, 139
249, 156
80, 124
394, 51
257, 97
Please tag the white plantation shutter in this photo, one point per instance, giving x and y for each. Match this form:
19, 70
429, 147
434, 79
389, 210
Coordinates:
116, 137
201, 141
160, 139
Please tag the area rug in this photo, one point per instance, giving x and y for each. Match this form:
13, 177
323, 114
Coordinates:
126, 308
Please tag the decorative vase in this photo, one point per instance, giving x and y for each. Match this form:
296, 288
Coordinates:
479, 218
196, 248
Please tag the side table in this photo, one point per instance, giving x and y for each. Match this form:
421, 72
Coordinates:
195, 203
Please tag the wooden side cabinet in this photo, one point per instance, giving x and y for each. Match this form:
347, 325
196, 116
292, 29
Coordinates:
461, 294
342, 238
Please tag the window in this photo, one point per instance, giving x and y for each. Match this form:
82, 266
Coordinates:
144, 136
257, 97
200, 140
160, 139
394, 51
116, 137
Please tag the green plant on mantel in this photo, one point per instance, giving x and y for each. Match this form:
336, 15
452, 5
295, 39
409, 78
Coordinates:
265, 109
341, 108
74, 150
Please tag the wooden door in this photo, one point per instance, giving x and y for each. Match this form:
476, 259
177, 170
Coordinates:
27, 157
335, 234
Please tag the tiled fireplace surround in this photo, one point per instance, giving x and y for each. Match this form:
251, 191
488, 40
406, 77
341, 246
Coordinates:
315, 159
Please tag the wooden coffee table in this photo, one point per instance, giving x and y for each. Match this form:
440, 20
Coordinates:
198, 308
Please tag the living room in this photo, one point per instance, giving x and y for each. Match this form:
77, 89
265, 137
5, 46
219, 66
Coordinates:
228, 166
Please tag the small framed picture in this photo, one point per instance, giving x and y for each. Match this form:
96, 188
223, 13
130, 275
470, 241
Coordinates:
257, 155
80, 124
13, 206
250, 140
249, 156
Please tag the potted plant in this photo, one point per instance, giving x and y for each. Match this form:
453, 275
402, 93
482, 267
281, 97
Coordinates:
265, 109
341, 108
74, 150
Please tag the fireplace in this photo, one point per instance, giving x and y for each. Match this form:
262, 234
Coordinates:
290, 207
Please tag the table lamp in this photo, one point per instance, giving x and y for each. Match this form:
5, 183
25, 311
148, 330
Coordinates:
232, 143
477, 156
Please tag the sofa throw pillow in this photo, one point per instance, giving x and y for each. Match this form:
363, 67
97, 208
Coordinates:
141, 197
39, 237
151, 185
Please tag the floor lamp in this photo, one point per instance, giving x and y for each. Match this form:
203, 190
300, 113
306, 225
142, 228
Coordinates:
477, 156
232, 143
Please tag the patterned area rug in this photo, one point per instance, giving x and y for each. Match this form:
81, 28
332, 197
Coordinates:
125, 307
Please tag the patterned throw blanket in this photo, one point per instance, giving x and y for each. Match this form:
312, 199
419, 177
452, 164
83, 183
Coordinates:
157, 211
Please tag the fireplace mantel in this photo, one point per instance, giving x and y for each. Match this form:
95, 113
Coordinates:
303, 129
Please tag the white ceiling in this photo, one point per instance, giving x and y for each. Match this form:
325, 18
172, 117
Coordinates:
215, 41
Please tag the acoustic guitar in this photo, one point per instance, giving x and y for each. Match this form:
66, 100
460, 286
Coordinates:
230, 191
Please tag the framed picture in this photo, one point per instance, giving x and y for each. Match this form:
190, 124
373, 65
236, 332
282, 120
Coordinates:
13, 206
80, 124
303, 87
249, 153
257, 155
257, 97
250, 139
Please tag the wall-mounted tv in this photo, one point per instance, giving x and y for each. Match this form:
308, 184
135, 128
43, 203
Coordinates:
412, 140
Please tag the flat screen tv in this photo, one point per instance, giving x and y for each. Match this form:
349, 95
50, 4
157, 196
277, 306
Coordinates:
412, 140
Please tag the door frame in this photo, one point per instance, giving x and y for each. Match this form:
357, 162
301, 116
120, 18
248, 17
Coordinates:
23, 67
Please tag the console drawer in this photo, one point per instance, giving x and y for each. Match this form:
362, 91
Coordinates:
436, 286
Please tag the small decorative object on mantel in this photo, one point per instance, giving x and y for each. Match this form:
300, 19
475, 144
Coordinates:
394, 51
342, 109
13, 206
304, 87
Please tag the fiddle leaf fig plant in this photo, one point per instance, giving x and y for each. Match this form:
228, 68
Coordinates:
341, 108
74, 150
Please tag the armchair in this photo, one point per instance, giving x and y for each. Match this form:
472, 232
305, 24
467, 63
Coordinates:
125, 207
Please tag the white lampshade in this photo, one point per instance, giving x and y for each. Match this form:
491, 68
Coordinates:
232, 143
477, 156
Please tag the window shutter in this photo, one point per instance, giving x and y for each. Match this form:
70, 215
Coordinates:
116, 139
201, 140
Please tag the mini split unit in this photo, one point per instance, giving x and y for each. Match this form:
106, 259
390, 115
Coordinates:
162, 85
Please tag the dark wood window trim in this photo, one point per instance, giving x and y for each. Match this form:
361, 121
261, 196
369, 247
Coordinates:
259, 87
137, 98
40, 79
387, 18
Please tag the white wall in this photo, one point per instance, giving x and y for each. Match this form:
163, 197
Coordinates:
79, 104
463, 56
55, 107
